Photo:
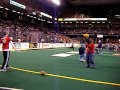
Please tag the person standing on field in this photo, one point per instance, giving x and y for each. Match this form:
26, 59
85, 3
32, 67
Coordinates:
5, 40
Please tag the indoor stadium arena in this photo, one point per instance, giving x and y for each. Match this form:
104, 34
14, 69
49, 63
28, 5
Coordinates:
59, 44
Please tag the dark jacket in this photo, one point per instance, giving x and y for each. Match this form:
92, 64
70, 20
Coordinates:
81, 50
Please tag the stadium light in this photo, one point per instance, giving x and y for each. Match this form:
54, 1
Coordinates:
1, 7
17, 4
98, 22
57, 2
103, 22
86, 22
6, 9
46, 15
13, 11
18, 12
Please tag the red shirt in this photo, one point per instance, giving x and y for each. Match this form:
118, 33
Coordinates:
90, 48
5, 41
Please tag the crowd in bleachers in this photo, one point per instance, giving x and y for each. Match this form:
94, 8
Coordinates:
82, 30
25, 32
112, 46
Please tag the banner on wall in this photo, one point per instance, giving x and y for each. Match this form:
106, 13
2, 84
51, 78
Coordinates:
18, 45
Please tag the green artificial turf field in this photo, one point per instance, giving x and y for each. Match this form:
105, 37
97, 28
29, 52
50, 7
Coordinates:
64, 72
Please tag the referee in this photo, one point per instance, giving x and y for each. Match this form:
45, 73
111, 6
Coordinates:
6, 52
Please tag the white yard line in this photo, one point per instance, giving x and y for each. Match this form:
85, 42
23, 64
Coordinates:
62, 55
9, 88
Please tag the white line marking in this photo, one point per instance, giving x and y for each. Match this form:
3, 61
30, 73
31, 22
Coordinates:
73, 52
9, 88
62, 55
106, 55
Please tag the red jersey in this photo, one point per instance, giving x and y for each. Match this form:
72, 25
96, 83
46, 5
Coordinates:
5, 41
90, 48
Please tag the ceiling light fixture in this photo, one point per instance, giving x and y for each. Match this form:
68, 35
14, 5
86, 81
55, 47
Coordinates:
57, 2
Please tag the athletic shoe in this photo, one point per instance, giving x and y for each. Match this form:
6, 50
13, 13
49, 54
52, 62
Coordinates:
81, 61
3, 70
8, 67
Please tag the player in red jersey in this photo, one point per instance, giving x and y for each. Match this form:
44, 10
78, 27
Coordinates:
6, 52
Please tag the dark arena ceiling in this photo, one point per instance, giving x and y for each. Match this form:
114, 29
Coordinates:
92, 8
91, 2
68, 8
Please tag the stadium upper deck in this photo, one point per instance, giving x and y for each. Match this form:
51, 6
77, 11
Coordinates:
40, 14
